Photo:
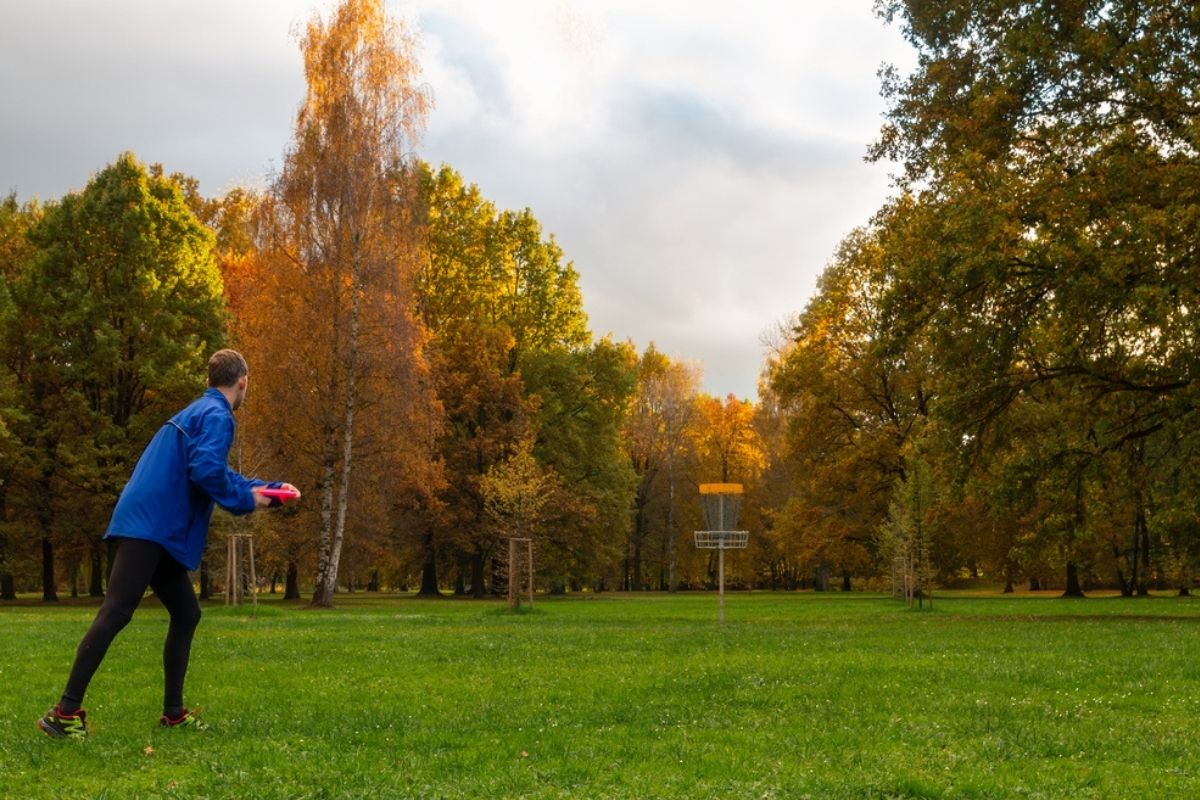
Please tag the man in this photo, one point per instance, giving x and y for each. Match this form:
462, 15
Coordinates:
161, 526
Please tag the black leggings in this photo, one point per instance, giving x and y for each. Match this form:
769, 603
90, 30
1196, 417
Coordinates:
139, 564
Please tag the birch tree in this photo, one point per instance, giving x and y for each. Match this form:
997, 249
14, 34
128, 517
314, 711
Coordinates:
341, 211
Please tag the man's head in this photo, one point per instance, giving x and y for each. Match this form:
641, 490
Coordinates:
228, 372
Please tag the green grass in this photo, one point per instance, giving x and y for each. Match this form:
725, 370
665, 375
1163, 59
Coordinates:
616, 696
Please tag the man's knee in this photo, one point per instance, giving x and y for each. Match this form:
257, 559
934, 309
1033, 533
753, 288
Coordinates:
114, 618
188, 616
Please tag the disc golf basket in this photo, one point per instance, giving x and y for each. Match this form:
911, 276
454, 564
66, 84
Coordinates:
721, 503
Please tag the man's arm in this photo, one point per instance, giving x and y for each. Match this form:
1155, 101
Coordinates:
208, 467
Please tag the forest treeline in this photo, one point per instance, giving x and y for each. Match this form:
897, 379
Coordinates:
995, 378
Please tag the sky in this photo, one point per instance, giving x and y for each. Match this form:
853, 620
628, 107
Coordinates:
697, 161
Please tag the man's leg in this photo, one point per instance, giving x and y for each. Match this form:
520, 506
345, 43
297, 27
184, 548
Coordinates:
132, 571
173, 586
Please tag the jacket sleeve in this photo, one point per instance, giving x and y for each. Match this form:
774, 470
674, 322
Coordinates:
208, 466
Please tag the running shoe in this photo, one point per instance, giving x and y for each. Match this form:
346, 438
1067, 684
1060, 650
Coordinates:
187, 719
57, 725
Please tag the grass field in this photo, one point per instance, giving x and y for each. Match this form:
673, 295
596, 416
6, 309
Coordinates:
626, 696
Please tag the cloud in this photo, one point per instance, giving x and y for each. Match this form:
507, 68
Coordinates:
207, 88
699, 166
699, 161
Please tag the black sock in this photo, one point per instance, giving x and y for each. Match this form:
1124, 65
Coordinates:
68, 707
172, 712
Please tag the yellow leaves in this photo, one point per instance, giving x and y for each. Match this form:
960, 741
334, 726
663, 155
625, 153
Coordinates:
516, 490
728, 445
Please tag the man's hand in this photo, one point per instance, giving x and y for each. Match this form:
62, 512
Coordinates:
263, 501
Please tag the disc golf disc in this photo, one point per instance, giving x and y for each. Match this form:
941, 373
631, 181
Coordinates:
282, 495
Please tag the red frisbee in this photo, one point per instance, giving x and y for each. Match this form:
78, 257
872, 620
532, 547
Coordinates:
282, 495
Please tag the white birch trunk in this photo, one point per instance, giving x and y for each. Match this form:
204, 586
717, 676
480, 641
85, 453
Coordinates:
320, 596
347, 438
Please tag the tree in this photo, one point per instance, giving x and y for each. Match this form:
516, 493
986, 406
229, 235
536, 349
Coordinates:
16, 254
582, 397
906, 536
498, 301
657, 435
727, 443
116, 315
1050, 153
339, 234
515, 492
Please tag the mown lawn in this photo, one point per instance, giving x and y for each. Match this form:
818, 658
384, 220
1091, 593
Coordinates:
626, 696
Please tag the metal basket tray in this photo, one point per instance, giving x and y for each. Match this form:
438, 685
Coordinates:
722, 540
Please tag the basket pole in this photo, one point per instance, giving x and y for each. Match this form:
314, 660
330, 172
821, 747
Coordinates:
721, 583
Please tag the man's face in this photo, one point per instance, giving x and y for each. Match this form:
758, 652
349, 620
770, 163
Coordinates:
240, 397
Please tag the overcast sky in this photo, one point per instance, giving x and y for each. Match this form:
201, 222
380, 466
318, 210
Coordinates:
698, 161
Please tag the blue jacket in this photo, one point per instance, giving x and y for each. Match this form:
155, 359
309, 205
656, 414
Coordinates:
184, 469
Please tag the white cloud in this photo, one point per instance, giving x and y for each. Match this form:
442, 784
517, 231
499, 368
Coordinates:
699, 161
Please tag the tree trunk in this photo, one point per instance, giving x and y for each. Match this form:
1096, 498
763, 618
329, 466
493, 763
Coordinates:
95, 585
635, 562
477, 589
323, 594
1143, 588
1133, 577
5, 576
429, 580
1073, 588
7, 588
1034, 584
49, 590
321, 597
499, 584
1125, 586
291, 589
637, 566
205, 580
671, 570
822, 579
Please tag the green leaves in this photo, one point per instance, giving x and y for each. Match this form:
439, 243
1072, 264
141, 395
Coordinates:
113, 303
1032, 289
515, 367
